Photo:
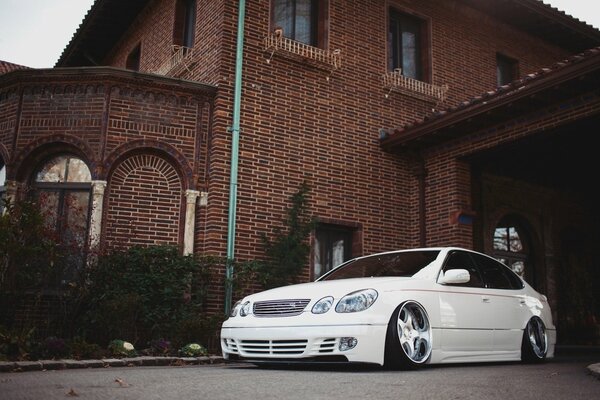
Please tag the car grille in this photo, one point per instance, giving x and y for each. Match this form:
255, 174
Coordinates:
290, 347
282, 347
280, 308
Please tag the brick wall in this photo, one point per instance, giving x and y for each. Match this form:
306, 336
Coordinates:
297, 125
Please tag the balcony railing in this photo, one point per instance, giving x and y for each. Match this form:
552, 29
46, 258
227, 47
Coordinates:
396, 82
179, 62
276, 43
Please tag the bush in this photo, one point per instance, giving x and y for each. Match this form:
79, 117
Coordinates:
144, 293
18, 344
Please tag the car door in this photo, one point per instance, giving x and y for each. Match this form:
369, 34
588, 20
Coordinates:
466, 321
505, 301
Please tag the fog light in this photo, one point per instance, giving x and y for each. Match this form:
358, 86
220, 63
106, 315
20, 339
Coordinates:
348, 343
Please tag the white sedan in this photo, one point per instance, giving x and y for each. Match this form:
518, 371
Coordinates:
400, 309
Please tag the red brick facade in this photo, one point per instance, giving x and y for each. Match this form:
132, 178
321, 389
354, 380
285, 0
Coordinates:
153, 138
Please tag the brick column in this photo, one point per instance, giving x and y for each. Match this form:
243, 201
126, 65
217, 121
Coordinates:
190, 217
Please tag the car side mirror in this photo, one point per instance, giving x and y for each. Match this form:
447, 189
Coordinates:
455, 276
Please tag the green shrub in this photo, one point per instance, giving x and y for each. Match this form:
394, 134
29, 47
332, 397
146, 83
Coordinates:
18, 344
144, 293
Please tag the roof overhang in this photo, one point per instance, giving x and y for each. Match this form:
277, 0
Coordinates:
577, 76
108, 20
107, 74
105, 23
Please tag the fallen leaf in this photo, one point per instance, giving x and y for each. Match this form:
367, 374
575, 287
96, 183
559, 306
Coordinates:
121, 382
72, 393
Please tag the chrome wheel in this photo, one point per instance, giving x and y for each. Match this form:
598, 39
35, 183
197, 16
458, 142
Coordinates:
535, 341
414, 332
536, 332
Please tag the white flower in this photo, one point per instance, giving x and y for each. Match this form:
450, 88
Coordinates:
195, 346
128, 346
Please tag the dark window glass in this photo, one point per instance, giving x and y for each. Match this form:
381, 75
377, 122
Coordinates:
496, 275
507, 70
406, 45
463, 260
333, 246
133, 59
405, 263
299, 19
185, 23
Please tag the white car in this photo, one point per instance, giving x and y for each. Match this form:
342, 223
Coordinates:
400, 309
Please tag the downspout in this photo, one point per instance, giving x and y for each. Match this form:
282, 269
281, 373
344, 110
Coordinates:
421, 177
235, 143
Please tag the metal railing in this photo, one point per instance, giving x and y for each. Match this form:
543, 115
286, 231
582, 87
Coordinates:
395, 81
277, 43
178, 63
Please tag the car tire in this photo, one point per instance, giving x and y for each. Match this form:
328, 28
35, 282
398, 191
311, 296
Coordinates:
408, 340
534, 345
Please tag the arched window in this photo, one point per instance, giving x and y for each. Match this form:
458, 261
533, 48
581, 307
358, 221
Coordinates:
2, 186
512, 248
62, 187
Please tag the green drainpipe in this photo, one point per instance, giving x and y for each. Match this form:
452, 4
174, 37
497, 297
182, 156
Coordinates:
235, 144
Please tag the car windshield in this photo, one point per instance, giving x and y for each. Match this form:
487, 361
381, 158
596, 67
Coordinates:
405, 264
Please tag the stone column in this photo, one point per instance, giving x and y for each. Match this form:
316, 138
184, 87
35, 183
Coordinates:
96, 214
190, 218
12, 192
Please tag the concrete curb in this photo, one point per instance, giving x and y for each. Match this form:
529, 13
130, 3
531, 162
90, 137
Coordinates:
594, 370
46, 365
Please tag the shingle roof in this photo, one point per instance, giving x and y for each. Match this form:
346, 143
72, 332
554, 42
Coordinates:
488, 99
6, 66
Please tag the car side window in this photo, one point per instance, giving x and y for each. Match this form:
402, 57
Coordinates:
497, 275
463, 260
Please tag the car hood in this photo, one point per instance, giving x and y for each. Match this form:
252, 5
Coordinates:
336, 288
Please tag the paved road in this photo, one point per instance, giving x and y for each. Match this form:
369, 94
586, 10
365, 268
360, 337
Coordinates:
563, 378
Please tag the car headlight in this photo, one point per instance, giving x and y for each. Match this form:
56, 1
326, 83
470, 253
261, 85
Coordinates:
245, 309
235, 309
323, 305
357, 301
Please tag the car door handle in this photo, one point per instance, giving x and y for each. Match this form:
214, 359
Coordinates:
485, 299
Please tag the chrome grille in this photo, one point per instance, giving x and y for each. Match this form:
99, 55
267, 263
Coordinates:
280, 308
281, 347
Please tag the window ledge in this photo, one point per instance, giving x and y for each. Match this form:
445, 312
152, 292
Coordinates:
179, 62
396, 82
285, 47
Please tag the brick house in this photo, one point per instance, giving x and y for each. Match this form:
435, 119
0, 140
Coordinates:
422, 123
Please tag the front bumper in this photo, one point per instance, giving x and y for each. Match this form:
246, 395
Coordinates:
303, 343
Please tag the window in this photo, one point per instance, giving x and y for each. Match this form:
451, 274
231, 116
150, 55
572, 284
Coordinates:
333, 246
507, 69
408, 45
2, 188
301, 20
463, 260
496, 275
62, 187
510, 246
133, 59
185, 23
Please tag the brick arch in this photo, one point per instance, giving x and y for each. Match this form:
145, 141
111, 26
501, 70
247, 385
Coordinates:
37, 150
162, 149
144, 202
